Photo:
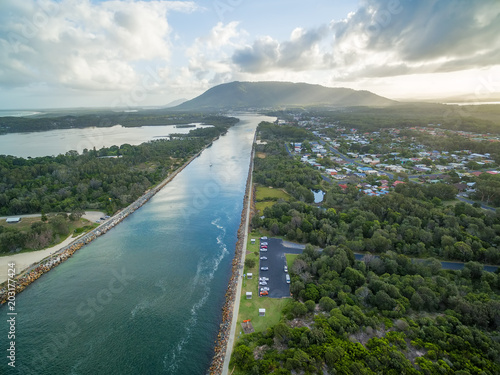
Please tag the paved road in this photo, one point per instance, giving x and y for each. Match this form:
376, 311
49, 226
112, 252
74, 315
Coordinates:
276, 261
483, 206
444, 265
349, 160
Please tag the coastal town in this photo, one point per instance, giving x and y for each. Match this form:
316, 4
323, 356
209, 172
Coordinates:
376, 161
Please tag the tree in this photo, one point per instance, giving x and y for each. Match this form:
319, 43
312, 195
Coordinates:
310, 305
327, 304
383, 301
243, 357
354, 278
250, 263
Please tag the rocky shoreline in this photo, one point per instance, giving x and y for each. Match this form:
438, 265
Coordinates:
220, 349
26, 277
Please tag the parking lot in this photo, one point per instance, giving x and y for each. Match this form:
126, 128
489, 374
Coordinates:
276, 261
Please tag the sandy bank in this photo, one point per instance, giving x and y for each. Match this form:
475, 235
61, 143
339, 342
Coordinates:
23, 260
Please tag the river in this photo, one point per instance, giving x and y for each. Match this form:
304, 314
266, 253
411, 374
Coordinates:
55, 142
146, 297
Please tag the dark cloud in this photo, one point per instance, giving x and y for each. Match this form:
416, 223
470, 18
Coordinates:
424, 30
388, 38
267, 54
260, 57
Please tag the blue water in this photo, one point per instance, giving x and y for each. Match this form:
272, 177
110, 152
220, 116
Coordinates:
145, 298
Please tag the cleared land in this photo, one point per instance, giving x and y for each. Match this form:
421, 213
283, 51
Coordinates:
261, 206
249, 309
290, 258
269, 194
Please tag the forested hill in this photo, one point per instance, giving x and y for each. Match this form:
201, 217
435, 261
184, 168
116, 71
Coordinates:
240, 95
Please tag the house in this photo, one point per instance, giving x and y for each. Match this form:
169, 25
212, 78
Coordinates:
460, 187
396, 183
262, 312
13, 220
249, 295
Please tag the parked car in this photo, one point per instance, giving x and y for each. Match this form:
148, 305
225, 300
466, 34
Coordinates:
262, 282
263, 243
263, 238
263, 258
264, 268
287, 278
263, 289
286, 268
264, 278
264, 293
263, 249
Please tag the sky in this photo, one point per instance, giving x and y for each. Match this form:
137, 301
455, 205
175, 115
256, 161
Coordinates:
130, 53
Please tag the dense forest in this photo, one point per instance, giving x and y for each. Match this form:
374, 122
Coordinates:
107, 119
412, 220
385, 314
107, 179
481, 119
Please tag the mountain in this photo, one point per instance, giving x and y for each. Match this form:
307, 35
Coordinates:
242, 95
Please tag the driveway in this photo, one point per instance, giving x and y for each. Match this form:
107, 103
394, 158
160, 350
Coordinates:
276, 261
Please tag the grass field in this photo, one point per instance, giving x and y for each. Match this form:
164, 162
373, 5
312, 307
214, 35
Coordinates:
290, 258
75, 227
24, 224
260, 206
264, 193
249, 309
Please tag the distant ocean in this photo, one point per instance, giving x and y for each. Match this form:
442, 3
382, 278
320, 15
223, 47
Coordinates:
17, 113
472, 103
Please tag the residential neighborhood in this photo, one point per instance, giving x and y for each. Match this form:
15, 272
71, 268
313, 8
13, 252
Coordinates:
380, 160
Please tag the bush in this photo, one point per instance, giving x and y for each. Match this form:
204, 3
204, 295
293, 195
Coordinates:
310, 305
327, 304
250, 263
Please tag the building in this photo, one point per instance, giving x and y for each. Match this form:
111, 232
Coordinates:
13, 220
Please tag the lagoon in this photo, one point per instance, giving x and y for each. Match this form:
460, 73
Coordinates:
60, 141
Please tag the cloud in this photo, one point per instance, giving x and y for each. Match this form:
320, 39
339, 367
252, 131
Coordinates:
208, 57
386, 38
83, 44
266, 53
